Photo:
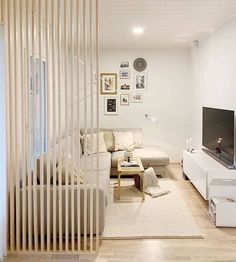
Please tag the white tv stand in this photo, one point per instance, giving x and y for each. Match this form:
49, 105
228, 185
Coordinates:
201, 169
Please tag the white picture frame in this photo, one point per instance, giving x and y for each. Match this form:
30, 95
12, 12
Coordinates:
124, 99
140, 82
125, 86
124, 74
111, 105
137, 98
124, 64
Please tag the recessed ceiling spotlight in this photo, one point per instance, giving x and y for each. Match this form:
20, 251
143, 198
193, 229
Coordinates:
138, 30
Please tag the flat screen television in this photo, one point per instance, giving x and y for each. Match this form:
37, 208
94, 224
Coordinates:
218, 134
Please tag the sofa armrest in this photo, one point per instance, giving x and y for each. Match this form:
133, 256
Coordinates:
75, 207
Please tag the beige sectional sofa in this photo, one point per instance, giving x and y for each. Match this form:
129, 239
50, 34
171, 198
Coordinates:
150, 156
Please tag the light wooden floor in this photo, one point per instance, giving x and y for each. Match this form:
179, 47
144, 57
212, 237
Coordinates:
217, 245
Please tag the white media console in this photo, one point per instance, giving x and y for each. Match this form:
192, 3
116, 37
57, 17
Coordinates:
208, 175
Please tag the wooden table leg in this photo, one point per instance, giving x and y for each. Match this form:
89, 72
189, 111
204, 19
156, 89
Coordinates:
119, 186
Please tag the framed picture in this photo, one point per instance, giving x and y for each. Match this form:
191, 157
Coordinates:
124, 74
137, 98
108, 83
111, 105
123, 64
125, 86
140, 82
124, 99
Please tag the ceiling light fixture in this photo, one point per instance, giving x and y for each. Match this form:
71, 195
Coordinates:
138, 30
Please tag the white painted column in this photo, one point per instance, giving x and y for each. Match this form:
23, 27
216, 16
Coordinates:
3, 184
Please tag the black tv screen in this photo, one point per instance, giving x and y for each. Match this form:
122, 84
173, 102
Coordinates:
218, 132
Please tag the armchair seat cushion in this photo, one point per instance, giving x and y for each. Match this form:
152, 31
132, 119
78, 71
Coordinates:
150, 156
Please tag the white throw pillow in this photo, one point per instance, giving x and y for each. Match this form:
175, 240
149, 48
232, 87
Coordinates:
138, 139
102, 146
73, 170
151, 184
123, 140
150, 178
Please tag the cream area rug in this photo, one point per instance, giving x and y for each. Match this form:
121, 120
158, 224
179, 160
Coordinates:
162, 217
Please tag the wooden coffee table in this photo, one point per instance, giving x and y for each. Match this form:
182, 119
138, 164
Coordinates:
127, 171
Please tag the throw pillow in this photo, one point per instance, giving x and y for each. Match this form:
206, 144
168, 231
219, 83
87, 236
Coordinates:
150, 178
93, 139
73, 170
123, 140
138, 139
109, 140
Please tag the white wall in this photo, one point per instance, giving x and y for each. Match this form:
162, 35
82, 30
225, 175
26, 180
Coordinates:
214, 66
2, 149
168, 97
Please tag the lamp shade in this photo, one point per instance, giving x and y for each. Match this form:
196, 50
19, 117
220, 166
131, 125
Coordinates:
152, 119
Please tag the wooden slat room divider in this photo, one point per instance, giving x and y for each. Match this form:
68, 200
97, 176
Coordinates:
53, 92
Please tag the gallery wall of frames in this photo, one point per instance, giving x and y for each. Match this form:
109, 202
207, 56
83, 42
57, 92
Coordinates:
124, 87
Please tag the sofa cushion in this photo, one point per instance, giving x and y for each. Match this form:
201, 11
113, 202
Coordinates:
74, 171
93, 139
104, 161
109, 137
109, 140
150, 156
137, 138
104, 180
123, 140
103, 172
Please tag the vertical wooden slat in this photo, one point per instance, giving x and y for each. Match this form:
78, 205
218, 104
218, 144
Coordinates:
54, 126
85, 120
59, 122
78, 119
91, 118
9, 41
29, 125
67, 131
91, 217
7, 47
34, 83
41, 74
11, 123
48, 125
5, 162
23, 133
72, 125
16, 95
1, 11
97, 119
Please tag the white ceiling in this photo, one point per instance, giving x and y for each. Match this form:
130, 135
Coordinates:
167, 23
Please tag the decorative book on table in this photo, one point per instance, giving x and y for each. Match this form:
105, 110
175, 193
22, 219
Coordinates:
133, 163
